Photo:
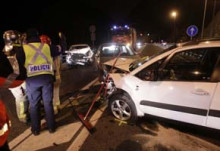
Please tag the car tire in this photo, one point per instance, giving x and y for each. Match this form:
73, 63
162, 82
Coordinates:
122, 107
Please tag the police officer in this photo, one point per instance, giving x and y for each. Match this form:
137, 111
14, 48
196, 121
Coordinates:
37, 59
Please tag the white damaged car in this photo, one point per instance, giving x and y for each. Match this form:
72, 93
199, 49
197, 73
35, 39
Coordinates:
80, 54
181, 84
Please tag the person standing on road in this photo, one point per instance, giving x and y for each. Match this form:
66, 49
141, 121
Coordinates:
37, 59
13, 41
11, 76
56, 62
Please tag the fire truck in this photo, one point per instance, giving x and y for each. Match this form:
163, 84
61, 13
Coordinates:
124, 34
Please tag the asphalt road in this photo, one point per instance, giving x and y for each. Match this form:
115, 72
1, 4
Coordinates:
150, 134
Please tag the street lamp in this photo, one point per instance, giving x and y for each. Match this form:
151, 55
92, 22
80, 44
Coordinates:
173, 15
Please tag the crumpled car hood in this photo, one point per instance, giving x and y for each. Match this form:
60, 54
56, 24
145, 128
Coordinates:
122, 63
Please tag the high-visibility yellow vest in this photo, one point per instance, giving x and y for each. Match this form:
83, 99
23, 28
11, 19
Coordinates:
17, 45
38, 59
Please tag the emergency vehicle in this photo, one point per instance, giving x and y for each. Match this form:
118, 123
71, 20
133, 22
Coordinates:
125, 35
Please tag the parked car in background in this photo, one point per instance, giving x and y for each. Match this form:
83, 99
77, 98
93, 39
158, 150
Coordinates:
109, 51
80, 54
181, 84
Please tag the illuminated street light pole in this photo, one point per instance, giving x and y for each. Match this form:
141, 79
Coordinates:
173, 14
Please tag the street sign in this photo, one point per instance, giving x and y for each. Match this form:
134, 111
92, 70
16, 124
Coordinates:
92, 28
192, 31
93, 37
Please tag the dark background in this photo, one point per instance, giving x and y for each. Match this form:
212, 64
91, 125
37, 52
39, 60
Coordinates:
74, 17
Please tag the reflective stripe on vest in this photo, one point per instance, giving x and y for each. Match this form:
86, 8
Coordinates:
4, 124
4, 129
38, 59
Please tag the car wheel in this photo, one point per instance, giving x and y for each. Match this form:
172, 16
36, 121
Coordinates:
122, 107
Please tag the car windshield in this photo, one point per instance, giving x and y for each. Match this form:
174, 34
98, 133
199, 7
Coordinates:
113, 50
120, 32
141, 61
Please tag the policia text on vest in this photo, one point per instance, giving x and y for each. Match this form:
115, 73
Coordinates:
43, 67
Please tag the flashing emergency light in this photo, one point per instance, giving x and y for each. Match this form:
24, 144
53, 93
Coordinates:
126, 26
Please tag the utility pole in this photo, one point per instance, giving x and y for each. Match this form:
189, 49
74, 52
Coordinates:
174, 15
212, 23
203, 22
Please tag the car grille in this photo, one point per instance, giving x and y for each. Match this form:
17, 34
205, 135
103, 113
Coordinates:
77, 56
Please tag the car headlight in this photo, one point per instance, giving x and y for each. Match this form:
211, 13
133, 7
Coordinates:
68, 59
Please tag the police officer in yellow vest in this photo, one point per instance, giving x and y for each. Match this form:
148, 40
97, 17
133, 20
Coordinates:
37, 58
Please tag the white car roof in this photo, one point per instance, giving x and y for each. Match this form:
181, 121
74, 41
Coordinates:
181, 47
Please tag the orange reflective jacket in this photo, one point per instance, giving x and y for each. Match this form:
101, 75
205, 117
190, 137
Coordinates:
4, 124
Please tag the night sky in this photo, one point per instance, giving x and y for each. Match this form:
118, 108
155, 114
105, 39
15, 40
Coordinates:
74, 17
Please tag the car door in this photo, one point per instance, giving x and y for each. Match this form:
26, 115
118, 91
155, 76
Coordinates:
183, 90
213, 120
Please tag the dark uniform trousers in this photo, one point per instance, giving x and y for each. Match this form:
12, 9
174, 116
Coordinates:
41, 88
